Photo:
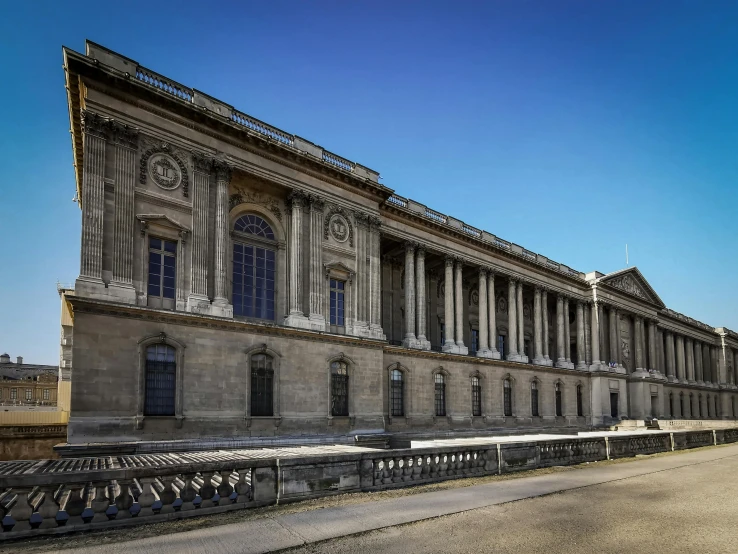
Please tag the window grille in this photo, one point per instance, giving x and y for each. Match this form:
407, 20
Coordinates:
338, 289
162, 273
534, 399
507, 397
339, 389
440, 394
262, 385
254, 225
476, 397
559, 409
161, 374
580, 404
396, 393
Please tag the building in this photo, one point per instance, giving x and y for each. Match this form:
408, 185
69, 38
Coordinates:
27, 385
238, 280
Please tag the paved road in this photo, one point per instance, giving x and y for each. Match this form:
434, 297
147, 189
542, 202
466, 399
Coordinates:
678, 503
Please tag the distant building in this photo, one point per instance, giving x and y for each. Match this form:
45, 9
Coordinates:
27, 384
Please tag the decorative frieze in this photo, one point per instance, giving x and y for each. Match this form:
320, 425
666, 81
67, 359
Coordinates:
164, 167
243, 196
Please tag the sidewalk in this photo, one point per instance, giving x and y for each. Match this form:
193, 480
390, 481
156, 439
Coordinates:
290, 530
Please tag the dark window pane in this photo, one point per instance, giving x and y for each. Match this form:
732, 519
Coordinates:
170, 246
155, 243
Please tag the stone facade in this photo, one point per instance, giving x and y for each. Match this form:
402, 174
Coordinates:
27, 385
370, 312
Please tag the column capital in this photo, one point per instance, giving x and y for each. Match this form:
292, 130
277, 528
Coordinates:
223, 171
295, 199
122, 134
449, 261
94, 124
202, 163
361, 219
317, 203
410, 246
483, 272
375, 222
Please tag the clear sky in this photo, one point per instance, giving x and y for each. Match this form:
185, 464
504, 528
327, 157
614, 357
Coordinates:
568, 127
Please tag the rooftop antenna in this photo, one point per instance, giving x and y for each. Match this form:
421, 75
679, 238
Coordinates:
626, 255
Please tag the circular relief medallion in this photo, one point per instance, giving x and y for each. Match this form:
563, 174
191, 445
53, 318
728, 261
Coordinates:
164, 171
339, 228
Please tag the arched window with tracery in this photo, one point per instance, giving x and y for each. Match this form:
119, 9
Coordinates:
254, 268
440, 386
160, 379
476, 389
397, 393
262, 385
339, 389
507, 397
557, 392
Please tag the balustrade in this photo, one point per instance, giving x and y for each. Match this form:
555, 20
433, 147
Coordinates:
263, 128
162, 83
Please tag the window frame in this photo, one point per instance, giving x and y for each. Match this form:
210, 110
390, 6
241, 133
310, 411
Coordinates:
535, 401
179, 348
508, 405
404, 385
276, 401
332, 386
336, 327
476, 395
162, 227
559, 399
440, 408
247, 240
168, 349
580, 400
160, 301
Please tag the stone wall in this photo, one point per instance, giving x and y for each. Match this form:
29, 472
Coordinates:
30, 442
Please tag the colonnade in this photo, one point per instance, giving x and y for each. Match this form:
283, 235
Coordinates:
689, 360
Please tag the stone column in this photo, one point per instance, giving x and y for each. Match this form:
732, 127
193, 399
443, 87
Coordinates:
459, 302
199, 249
652, 363
560, 335
601, 327
681, 374
95, 130
670, 357
512, 321
420, 299
639, 362
449, 344
521, 323
689, 351
483, 346
596, 361
317, 280
544, 317
125, 140
409, 341
662, 352
492, 316
221, 305
706, 371
567, 333
296, 316
538, 357
698, 362
361, 323
614, 343
735, 368
713, 366
375, 322
581, 362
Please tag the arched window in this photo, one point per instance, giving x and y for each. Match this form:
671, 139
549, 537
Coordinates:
254, 268
161, 376
440, 383
339, 389
709, 411
671, 405
580, 406
476, 390
732, 406
397, 404
507, 397
716, 411
682, 409
699, 403
534, 399
559, 409
691, 409
262, 385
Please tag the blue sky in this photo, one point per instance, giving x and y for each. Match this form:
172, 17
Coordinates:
569, 127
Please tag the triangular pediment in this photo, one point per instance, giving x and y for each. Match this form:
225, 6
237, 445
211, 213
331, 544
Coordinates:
631, 282
339, 267
161, 219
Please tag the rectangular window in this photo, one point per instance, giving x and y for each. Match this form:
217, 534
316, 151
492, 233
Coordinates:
476, 397
338, 290
474, 340
534, 402
580, 410
162, 273
614, 405
13, 394
654, 406
502, 345
443, 334
47, 394
507, 399
29, 394
559, 411
397, 403
526, 349
254, 269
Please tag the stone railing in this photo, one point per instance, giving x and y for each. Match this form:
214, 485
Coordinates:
397, 201
338, 161
58, 496
162, 83
263, 128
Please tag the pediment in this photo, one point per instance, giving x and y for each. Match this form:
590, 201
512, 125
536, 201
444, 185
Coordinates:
631, 282
338, 268
163, 220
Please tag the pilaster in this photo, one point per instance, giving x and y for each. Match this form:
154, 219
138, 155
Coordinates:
296, 316
317, 282
581, 362
512, 321
614, 343
597, 364
545, 330
670, 358
221, 306
521, 323
483, 350
375, 267
449, 344
689, 351
459, 312
567, 332
197, 300
698, 362
492, 317
538, 357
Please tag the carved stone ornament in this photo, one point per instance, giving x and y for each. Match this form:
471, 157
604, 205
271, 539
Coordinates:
223, 171
343, 225
123, 135
202, 163
501, 304
243, 196
629, 285
165, 168
474, 298
526, 312
625, 349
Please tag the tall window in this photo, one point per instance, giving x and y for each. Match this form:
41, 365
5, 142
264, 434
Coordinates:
502, 345
47, 394
161, 374
440, 382
699, 402
526, 349
474, 340
397, 407
29, 394
442, 333
254, 268
507, 397
262, 385
671, 405
13, 394
534, 399
682, 409
338, 289
162, 273
557, 392
339, 389
476, 396
580, 406
716, 412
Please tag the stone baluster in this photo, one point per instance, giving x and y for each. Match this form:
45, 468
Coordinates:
681, 374
23, 508
101, 502
483, 346
409, 341
125, 139
595, 331
459, 302
317, 282
689, 352
124, 499
492, 316
422, 342
614, 343
207, 490
75, 504
48, 507
560, 335
243, 486
296, 316
512, 321
538, 357
545, 330
449, 344
95, 130
167, 496
225, 489
581, 361
147, 497
199, 249
567, 333
222, 181
521, 323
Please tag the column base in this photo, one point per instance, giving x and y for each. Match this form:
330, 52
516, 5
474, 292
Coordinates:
700, 383
599, 366
539, 361
416, 343
640, 373
198, 304
684, 381
377, 332
671, 379
563, 364
581, 366
122, 292
298, 320
489, 354
317, 322
521, 358
691, 381
453, 348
